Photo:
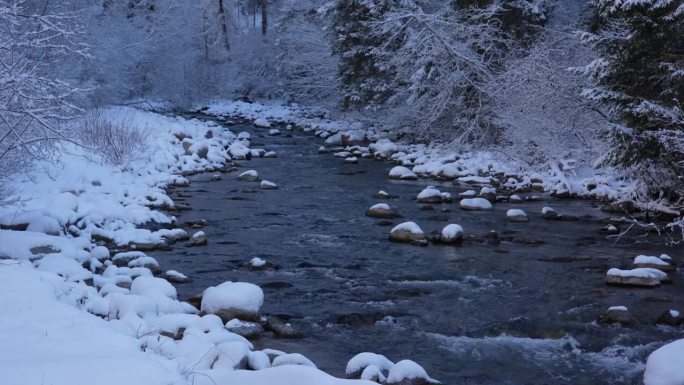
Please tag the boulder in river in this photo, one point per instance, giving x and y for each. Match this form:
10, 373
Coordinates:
233, 300
429, 195
451, 233
401, 172
281, 329
515, 199
475, 204
351, 160
653, 262
267, 185
549, 213
617, 315
198, 239
408, 232
670, 318
382, 210
641, 277
488, 193
516, 215
249, 176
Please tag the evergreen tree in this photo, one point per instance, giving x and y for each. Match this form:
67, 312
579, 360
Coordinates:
640, 74
365, 78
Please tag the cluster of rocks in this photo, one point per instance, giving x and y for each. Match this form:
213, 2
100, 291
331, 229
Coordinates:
620, 315
646, 271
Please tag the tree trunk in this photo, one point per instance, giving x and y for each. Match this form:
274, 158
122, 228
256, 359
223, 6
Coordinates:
264, 17
224, 24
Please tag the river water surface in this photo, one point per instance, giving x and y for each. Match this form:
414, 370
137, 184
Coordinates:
478, 313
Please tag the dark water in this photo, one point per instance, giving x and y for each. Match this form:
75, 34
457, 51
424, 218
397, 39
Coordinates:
479, 313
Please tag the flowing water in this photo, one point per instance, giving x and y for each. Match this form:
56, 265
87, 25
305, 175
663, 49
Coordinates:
478, 313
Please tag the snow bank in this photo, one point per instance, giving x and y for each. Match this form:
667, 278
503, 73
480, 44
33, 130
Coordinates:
665, 366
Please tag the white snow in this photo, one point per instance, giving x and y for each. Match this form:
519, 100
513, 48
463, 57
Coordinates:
198, 234
512, 213
233, 295
475, 204
468, 194
665, 366
380, 206
411, 227
257, 262
650, 260
362, 360
547, 210
617, 308
401, 172
292, 359
643, 272
268, 185
429, 192
406, 370
452, 232
262, 123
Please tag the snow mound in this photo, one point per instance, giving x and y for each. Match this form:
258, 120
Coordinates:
665, 366
233, 300
407, 370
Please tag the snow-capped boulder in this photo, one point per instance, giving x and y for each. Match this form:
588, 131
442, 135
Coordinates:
382, 210
408, 232
617, 315
153, 287
475, 204
407, 372
429, 195
671, 318
665, 366
45, 225
451, 233
233, 300
270, 154
516, 215
382, 194
174, 276
238, 150
258, 360
231, 355
549, 213
262, 123
488, 193
146, 262
515, 199
401, 172
653, 262
361, 361
292, 359
373, 373
274, 132
249, 176
351, 160
383, 148
198, 239
636, 277
267, 185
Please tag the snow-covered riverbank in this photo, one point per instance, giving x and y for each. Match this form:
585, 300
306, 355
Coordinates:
83, 304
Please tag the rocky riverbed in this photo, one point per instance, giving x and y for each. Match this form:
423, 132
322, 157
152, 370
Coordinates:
513, 302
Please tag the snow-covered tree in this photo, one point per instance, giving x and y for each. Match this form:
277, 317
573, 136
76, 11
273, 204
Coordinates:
35, 102
640, 74
365, 75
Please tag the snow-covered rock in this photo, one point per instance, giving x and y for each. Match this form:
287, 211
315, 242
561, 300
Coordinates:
152, 287
274, 132
468, 194
408, 232
359, 362
233, 300
401, 172
262, 123
452, 233
292, 359
407, 372
515, 199
382, 210
429, 195
249, 176
652, 262
516, 215
270, 154
665, 366
351, 160
383, 148
670, 317
617, 315
635, 277
475, 204
45, 225
549, 213
267, 185
488, 193
176, 277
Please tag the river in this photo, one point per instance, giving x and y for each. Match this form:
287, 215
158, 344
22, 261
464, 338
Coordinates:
478, 313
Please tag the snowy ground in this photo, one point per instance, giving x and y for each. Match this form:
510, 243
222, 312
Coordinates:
82, 304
